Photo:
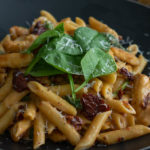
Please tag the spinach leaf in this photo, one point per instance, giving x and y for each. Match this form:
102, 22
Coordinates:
60, 28
113, 41
48, 25
35, 60
106, 64
100, 41
89, 38
75, 103
44, 69
84, 36
66, 44
72, 86
97, 63
45, 37
64, 62
89, 63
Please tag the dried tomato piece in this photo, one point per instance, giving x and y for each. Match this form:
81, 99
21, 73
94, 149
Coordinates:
75, 121
92, 105
146, 100
126, 73
38, 28
120, 93
20, 81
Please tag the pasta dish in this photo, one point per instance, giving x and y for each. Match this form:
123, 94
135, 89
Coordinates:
71, 81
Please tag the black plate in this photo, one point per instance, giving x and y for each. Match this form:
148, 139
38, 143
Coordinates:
129, 19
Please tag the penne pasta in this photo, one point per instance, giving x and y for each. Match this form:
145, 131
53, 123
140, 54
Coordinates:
19, 129
130, 120
80, 22
15, 60
121, 106
51, 97
133, 49
64, 90
128, 133
97, 86
92, 132
119, 120
101, 27
56, 136
49, 127
39, 131
10, 100
17, 31
139, 68
49, 16
7, 119
30, 111
55, 117
125, 56
18, 44
110, 79
106, 90
6, 88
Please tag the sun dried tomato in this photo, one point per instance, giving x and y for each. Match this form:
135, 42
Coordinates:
20, 81
126, 74
120, 93
75, 121
38, 28
92, 105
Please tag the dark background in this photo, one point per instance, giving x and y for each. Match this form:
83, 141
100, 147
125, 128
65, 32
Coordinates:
130, 20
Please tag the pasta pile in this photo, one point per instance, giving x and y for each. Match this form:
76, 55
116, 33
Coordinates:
112, 108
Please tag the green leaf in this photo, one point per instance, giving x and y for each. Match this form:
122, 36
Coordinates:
106, 64
100, 41
44, 69
84, 36
45, 37
49, 25
97, 63
75, 103
66, 44
60, 28
89, 38
113, 41
72, 86
64, 62
89, 63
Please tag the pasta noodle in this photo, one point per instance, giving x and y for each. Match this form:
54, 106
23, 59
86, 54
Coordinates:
10, 100
56, 136
39, 131
6, 88
18, 130
91, 134
15, 60
54, 99
57, 119
116, 136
